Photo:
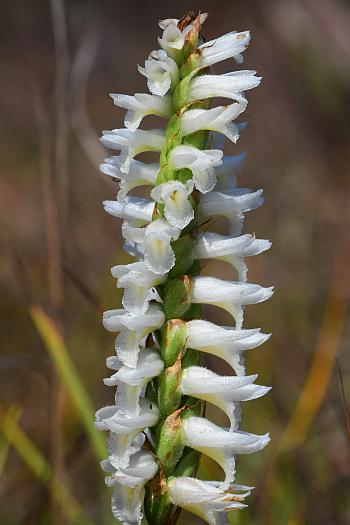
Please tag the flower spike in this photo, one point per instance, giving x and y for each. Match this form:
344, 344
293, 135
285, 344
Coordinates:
156, 424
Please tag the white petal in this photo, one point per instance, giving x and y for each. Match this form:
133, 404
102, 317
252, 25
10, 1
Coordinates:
138, 283
139, 174
128, 486
172, 40
200, 162
161, 72
229, 295
227, 46
220, 444
159, 255
206, 499
136, 210
222, 391
226, 343
167, 21
131, 381
119, 452
177, 208
232, 205
226, 172
230, 85
217, 119
230, 249
140, 105
125, 428
133, 328
131, 143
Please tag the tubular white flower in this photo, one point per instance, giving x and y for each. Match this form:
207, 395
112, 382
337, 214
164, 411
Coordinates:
138, 283
133, 328
207, 499
115, 459
177, 208
217, 119
229, 85
136, 210
226, 46
141, 105
221, 391
226, 172
219, 444
229, 295
200, 162
131, 381
159, 255
128, 484
226, 343
125, 428
211, 245
131, 143
161, 72
172, 40
139, 174
231, 204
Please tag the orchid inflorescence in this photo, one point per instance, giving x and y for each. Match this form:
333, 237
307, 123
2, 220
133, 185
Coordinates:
157, 429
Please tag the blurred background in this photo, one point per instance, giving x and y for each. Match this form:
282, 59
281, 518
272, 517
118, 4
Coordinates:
59, 60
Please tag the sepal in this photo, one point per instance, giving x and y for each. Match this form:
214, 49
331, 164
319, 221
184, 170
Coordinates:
207, 499
221, 445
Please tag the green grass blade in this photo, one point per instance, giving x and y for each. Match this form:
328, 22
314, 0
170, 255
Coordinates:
40, 467
68, 375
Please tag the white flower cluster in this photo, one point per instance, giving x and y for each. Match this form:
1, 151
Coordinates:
137, 358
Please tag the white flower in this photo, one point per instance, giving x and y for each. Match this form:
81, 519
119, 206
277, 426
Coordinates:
159, 255
226, 46
131, 143
128, 483
222, 391
136, 210
200, 162
134, 240
226, 343
161, 72
231, 204
172, 40
211, 245
207, 499
226, 172
217, 119
131, 381
139, 174
124, 428
177, 208
138, 283
141, 105
229, 85
120, 456
229, 295
133, 328
219, 444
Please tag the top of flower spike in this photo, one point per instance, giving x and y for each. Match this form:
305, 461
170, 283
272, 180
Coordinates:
185, 21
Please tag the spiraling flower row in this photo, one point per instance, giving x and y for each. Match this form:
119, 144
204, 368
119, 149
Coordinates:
157, 427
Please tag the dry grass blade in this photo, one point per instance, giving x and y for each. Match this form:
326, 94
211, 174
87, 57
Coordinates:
68, 375
14, 412
344, 401
317, 381
39, 466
